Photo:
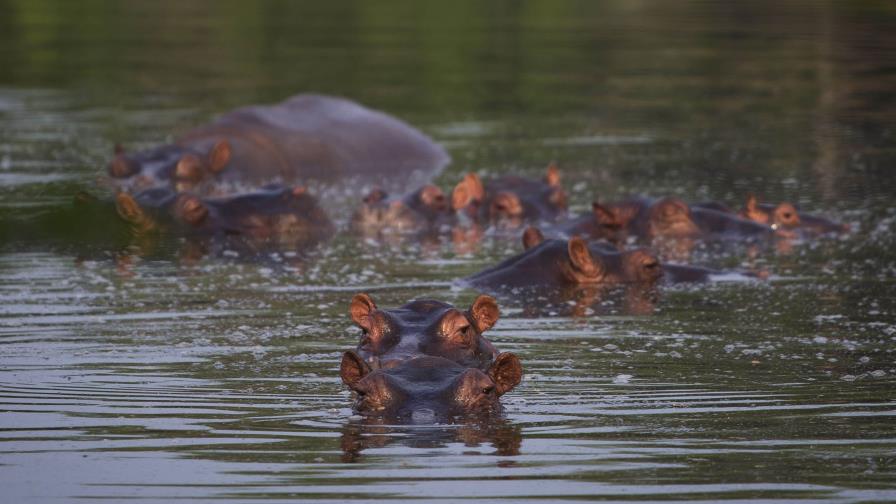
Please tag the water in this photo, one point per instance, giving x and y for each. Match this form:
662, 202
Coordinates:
157, 372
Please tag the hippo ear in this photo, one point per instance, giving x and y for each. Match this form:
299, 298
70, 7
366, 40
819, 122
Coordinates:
191, 209
219, 156
361, 308
467, 191
752, 203
506, 371
353, 369
605, 216
118, 149
532, 236
552, 176
485, 312
580, 256
128, 208
189, 168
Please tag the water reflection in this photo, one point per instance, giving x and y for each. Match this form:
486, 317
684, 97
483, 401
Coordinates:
372, 433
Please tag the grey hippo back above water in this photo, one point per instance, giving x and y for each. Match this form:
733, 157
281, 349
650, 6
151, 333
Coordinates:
307, 138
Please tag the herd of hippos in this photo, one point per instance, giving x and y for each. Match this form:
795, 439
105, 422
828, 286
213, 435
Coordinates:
247, 175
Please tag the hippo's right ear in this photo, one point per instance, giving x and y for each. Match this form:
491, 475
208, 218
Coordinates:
580, 256
219, 156
375, 196
506, 371
353, 369
361, 308
469, 190
532, 236
485, 312
552, 176
604, 216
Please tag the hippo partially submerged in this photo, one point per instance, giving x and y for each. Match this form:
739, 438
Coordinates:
305, 139
557, 263
273, 214
425, 327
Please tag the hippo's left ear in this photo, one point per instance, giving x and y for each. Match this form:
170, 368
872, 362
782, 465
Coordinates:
484, 312
552, 176
361, 308
506, 371
467, 191
219, 156
580, 256
353, 369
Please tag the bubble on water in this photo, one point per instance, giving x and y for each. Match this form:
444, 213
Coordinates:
878, 373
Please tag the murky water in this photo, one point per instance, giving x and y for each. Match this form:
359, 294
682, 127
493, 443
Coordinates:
172, 374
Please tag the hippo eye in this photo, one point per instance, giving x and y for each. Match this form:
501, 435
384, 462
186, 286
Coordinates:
488, 390
651, 264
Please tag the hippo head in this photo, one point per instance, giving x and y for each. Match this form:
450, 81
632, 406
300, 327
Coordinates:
425, 327
425, 389
670, 218
596, 262
511, 200
273, 212
781, 216
419, 210
182, 166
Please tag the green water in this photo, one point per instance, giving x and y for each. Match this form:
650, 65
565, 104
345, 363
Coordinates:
158, 373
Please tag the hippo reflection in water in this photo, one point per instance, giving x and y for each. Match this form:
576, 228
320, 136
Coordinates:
429, 389
425, 328
307, 138
503, 437
275, 214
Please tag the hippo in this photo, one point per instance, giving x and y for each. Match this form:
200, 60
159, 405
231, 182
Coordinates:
423, 210
304, 139
272, 214
429, 389
510, 200
425, 327
665, 219
558, 263
784, 217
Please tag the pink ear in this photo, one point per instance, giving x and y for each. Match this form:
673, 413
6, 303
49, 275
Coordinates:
467, 191
219, 156
580, 256
531, 237
506, 372
353, 369
552, 176
604, 215
485, 312
361, 307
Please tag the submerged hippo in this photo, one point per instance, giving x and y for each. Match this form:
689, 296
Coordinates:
663, 219
510, 200
425, 327
307, 138
429, 389
555, 263
424, 210
784, 217
275, 213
